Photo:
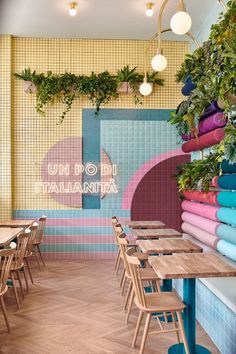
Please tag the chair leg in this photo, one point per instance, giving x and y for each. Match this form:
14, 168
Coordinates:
118, 265
117, 259
29, 270
131, 300
127, 295
40, 254
5, 313
20, 283
175, 325
123, 285
122, 278
37, 257
15, 289
140, 317
145, 333
26, 280
181, 326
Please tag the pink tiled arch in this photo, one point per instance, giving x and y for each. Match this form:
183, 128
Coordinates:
140, 173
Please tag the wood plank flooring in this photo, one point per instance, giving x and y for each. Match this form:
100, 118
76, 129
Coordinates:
76, 308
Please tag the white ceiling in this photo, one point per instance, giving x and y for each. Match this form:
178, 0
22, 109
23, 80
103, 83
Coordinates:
107, 19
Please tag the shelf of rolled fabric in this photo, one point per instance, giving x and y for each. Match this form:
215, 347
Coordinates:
217, 120
201, 235
226, 199
204, 141
226, 181
215, 213
221, 230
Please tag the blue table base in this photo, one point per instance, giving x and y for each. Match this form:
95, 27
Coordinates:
179, 349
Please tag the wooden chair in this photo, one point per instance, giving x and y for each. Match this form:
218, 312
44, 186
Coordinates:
6, 257
150, 303
18, 263
114, 221
29, 250
147, 274
38, 240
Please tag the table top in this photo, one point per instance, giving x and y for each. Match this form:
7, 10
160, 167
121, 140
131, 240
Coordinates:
197, 265
16, 223
7, 234
171, 245
155, 233
145, 224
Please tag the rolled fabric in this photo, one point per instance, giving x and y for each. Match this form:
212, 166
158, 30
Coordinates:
227, 215
226, 232
202, 223
227, 199
227, 167
225, 181
200, 196
204, 210
203, 236
204, 141
188, 87
227, 249
211, 109
210, 123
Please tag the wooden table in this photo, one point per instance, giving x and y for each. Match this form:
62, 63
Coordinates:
155, 233
7, 234
152, 224
171, 245
189, 267
16, 223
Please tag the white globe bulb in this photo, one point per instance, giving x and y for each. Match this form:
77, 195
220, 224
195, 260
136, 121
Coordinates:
159, 62
72, 12
149, 12
145, 89
180, 23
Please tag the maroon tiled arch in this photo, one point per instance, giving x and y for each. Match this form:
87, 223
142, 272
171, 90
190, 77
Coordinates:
156, 196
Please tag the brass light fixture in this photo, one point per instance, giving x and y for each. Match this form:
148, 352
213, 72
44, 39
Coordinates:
73, 8
149, 9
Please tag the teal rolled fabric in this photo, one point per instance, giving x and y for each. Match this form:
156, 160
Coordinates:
227, 233
227, 199
227, 167
227, 249
227, 215
227, 181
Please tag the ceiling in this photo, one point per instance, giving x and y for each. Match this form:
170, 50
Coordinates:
106, 19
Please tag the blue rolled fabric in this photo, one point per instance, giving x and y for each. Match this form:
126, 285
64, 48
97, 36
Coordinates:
227, 249
227, 199
227, 215
227, 181
227, 167
211, 109
188, 87
227, 233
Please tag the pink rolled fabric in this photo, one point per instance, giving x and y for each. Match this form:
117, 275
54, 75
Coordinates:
204, 141
204, 210
203, 236
217, 120
199, 196
200, 222
214, 182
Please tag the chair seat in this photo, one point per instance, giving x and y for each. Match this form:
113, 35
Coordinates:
161, 302
148, 274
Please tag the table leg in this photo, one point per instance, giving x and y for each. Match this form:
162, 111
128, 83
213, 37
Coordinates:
167, 285
189, 298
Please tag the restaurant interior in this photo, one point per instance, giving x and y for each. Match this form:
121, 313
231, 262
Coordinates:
118, 177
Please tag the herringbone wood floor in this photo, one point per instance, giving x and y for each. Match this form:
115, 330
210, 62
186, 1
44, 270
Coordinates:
76, 308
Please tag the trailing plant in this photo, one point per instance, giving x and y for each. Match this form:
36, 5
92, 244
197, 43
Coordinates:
227, 147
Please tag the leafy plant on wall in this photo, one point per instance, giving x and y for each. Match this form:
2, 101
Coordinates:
65, 88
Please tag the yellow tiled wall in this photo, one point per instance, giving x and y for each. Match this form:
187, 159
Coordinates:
33, 135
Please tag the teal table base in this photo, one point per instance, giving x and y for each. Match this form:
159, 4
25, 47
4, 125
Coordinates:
179, 349
189, 298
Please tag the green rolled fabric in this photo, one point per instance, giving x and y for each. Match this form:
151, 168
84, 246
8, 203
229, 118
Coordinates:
227, 215
227, 199
227, 233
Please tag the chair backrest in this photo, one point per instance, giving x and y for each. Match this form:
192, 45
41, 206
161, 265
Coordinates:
134, 267
22, 241
123, 243
39, 235
6, 257
33, 234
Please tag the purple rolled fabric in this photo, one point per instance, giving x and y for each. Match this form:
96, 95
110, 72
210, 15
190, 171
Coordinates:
211, 109
210, 123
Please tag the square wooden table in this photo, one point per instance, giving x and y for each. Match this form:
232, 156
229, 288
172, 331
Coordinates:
170, 245
16, 223
145, 224
189, 267
155, 233
7, 234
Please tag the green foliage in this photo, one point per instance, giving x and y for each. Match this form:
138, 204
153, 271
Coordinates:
126, 74
227, 147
